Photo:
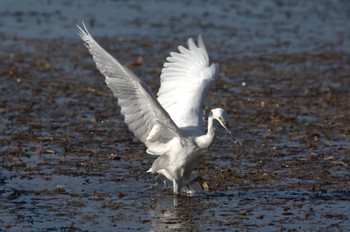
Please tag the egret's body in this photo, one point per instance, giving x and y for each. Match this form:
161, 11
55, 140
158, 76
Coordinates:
171, 126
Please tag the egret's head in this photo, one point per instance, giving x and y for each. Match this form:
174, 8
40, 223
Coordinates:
221, 116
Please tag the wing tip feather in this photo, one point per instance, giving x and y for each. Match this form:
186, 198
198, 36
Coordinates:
83, 32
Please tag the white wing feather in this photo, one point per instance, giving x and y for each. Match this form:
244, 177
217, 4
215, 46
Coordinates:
185, 82
143, 114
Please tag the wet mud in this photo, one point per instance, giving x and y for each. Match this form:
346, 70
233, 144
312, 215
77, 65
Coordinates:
69, 163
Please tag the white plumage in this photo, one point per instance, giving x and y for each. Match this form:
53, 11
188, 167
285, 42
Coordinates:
172, 125
185, 82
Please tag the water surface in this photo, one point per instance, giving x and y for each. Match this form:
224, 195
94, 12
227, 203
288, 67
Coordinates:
68, 162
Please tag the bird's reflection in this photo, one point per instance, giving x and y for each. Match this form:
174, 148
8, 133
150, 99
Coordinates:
175, 213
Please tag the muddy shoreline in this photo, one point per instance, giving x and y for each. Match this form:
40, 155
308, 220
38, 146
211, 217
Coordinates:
69, 163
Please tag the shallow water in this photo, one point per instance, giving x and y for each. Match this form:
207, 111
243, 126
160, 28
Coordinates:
69, 163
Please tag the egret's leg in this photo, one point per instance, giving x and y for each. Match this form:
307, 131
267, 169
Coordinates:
177, 186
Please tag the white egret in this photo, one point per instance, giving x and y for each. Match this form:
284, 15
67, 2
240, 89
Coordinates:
171, 126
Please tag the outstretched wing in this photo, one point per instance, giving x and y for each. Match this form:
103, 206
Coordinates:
143, 114
185, 82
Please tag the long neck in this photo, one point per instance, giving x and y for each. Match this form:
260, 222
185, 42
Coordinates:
206, 140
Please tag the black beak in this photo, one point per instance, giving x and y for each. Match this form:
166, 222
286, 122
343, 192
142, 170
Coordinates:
227, 128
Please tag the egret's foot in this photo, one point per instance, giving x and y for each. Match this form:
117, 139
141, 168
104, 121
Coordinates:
198, 181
